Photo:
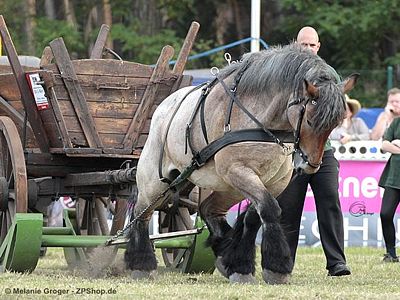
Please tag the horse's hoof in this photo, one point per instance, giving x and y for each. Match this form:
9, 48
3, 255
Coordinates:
242, 278
274, 277
142, 275
220, 267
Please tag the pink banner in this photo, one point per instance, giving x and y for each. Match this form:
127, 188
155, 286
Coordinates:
358, 187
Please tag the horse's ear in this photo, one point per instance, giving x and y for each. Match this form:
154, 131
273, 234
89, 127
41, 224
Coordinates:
311, 89
350, 82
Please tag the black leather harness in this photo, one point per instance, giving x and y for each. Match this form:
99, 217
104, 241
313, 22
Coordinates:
260, 134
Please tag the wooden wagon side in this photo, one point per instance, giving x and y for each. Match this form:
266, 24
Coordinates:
98, 116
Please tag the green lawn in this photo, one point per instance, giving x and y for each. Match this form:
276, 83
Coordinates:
371, 279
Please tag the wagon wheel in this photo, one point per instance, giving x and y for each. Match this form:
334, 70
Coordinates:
13, 178
176, 217
171, 220
91, 219
196, 257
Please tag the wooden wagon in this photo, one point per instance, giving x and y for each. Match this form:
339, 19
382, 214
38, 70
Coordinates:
76, 128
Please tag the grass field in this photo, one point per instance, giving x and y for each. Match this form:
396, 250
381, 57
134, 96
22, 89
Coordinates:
370, 279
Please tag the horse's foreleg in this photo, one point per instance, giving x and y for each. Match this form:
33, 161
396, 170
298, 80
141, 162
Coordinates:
139, 255
276, 262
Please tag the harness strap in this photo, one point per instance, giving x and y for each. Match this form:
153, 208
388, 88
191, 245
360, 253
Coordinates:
238, 76
245, 135
202, 121
253, 118
237, 136
162, 178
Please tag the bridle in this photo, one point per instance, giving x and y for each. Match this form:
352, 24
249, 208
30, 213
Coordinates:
303, 101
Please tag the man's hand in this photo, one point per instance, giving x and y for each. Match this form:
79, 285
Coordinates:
345, 138
396, 143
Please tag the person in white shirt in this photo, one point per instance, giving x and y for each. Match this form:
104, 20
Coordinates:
352, 128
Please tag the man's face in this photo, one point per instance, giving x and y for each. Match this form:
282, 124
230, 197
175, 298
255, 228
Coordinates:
394, 103
309, 41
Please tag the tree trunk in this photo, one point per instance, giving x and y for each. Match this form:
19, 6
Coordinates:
30, 25
149, 15
108, 21
69, 13
50, 9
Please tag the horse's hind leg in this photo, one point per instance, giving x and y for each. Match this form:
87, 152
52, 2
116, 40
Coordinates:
213, 211
239, 256
139, 255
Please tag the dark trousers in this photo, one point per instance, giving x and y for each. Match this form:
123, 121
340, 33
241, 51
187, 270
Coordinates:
390, 201
324, 185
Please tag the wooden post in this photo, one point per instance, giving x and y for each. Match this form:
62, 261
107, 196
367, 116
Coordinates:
75, 92
26, 94
97, 51
143, 111
47, 56
186, 48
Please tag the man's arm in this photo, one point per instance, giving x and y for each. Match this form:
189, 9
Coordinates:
381, 124
390, 147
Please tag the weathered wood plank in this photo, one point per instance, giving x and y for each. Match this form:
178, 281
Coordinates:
47, 56
47, 78
77, 97
186, 48
102, 109
26, 95
142, 113
107, 67
97, 51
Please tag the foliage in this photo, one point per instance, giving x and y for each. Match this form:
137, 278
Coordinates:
356, 35
143, 49
47, 30
348, 33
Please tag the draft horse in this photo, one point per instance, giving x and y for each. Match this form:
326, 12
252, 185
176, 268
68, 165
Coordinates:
234, 136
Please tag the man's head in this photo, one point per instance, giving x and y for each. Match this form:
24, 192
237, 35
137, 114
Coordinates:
308, 37
393, 101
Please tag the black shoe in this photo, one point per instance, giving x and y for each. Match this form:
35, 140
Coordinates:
388, 258
340, 269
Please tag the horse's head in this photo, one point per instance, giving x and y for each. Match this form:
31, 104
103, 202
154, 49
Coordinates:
313, 116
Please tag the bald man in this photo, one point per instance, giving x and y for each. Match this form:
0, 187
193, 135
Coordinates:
308, 37
325, 185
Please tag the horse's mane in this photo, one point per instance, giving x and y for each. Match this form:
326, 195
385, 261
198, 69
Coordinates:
282, 70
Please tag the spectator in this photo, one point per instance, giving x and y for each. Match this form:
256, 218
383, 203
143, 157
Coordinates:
325, 185
390, 181
392, 110
352, 128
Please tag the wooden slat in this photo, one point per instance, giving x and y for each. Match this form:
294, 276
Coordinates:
82, 151
107, 67
26, 95
142, 113
13, 114
77, 97
47, 78
47, 57
97, 51
186, 48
